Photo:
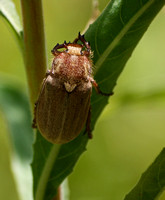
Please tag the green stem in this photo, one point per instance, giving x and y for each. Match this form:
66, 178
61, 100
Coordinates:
34, 45
46, 172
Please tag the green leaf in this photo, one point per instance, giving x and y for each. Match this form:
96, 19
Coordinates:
152, 181
113, 37
15, 108
7, 179
54, 162
9, 13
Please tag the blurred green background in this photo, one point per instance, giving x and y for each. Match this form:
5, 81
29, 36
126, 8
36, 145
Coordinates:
130, 132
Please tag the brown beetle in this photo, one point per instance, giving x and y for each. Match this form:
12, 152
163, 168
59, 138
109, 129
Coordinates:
63, 106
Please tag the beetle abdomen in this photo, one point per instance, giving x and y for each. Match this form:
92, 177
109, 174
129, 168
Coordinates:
60, 115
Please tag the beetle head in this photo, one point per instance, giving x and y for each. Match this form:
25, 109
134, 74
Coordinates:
74, 48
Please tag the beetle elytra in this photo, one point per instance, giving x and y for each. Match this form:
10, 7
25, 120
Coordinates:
63, 105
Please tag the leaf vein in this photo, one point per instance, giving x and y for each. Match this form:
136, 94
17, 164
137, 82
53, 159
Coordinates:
121, 34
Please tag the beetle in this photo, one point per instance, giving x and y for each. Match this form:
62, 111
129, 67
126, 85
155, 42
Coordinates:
63, 105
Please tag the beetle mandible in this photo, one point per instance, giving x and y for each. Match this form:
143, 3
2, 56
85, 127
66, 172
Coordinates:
63, 105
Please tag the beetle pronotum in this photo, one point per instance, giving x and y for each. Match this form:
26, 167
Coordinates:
63, 105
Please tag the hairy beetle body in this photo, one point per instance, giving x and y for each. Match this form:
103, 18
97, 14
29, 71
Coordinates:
61, 118
63, 106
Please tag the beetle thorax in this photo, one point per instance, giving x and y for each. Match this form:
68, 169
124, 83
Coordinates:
73, 50
72, 67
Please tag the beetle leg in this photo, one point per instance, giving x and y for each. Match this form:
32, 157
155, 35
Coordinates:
48, 73
95, 85
77, 39
59, 46
34, 124
88, 123
82, 39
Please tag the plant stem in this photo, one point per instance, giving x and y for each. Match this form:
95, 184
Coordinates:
35, 63
46, 172
34, 45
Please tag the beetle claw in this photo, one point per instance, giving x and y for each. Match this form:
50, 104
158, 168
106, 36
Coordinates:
34, 125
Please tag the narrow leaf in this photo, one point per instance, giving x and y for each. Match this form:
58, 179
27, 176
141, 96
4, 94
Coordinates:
60, 166
15, 107
152, 182
9, 13
113, 37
